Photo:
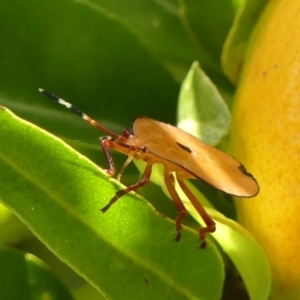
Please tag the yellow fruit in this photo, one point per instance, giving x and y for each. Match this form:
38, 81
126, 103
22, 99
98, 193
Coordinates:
266, 138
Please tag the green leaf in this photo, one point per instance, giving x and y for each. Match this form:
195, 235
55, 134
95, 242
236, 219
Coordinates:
128, 251
34, 279
247, 255
12, 229
157, 25
201, 109
238, 38
210, 35
89, 56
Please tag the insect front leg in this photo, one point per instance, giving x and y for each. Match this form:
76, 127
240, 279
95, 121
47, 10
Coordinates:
210, 224
145, 179
106, 143
170, 183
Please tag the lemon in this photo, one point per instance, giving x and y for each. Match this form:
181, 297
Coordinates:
266, 138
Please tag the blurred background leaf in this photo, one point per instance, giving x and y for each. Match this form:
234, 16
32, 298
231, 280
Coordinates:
238, 37
35, 280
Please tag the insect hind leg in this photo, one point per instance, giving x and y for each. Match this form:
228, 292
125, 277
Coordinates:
170, 183
210, 224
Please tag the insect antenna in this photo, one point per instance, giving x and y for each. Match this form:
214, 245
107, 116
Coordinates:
80, 113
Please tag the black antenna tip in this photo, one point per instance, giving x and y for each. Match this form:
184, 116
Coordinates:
50, 95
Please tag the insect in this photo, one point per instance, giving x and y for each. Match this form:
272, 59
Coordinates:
180, 153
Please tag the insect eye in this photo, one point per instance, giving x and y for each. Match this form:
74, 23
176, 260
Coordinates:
127, 132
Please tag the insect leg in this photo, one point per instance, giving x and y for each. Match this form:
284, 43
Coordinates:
170, 183
106, 143
126, 163
145, 179
210, 224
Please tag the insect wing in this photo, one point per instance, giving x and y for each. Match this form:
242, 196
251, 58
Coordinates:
204, 161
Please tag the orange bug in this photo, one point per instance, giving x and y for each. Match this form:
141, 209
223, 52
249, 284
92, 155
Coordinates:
179, 153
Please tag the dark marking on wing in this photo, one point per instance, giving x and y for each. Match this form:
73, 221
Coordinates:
185, 148
244, 170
